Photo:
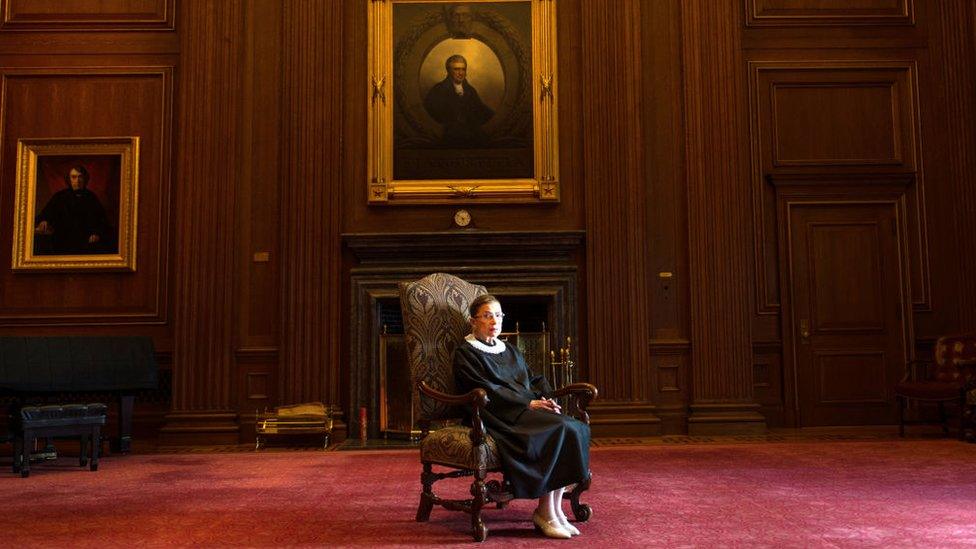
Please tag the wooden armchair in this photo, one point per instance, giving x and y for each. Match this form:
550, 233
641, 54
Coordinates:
435, 317
939, 380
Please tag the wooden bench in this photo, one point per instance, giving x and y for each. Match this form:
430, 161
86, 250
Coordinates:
69, 420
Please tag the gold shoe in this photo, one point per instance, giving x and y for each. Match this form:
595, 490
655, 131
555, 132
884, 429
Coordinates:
564, 522
550, 528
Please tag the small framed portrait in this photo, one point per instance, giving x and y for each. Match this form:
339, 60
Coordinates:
76, 203
462, 101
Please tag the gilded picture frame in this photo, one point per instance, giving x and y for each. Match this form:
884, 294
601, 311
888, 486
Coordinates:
462, 102
76, 204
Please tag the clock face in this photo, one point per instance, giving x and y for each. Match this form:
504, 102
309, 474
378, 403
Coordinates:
462, 218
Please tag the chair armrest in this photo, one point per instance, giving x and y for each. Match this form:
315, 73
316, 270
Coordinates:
584, 393
577, 389
968, 370
476, 398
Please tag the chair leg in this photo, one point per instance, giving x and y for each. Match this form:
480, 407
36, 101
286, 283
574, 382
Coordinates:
83, 450
942, 418
96, 446
427, 495
901, 416
18, 444
581, 511
969, 420
478, 495
964, 414
27, 442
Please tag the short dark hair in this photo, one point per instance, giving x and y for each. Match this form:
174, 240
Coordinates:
452, 59
482, 299
81, 170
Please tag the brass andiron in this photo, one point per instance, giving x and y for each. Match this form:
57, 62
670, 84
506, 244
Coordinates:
563, 371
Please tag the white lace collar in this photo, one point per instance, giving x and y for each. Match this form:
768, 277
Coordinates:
495, 349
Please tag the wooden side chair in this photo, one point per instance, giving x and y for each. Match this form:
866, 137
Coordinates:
435, 318
939, 380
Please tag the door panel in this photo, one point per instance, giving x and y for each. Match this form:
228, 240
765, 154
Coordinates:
846, 281
845, 294
850, 378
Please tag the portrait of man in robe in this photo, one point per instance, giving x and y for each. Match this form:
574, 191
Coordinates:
76, 205
462, 90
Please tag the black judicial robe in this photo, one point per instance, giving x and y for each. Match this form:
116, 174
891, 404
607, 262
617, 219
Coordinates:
540, 451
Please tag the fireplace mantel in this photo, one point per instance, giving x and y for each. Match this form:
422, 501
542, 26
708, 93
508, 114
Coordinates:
535, 267
464, 246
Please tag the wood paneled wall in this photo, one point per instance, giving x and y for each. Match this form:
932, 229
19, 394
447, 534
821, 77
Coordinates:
673, 116
309, 369
954, 87
212, 46
718, 222
616, 218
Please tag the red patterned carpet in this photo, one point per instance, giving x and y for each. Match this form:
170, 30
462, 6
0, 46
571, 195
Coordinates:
837, 494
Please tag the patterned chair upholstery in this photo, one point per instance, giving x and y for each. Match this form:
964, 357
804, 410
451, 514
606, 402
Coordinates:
435, 321
940, 380
451, 446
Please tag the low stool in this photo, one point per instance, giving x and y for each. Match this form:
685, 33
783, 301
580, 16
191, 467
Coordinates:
68, 420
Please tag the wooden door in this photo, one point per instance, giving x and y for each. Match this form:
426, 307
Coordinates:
846, 319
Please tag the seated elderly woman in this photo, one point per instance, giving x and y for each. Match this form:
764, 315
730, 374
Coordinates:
542, 451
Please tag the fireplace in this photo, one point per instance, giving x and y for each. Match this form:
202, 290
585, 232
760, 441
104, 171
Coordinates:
535, 275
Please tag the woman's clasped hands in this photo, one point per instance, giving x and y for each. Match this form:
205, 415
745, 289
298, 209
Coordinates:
546, 404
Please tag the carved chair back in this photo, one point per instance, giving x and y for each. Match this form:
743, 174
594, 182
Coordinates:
949, 350
435, 321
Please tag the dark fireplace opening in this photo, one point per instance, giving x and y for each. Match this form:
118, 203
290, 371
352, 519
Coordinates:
525, 314
391, 318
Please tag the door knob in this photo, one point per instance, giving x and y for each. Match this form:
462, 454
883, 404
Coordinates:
804, 328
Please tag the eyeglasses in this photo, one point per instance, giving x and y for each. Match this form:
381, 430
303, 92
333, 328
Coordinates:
489, 316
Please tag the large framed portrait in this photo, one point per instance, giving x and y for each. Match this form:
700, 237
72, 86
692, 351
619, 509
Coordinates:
76, 202
462, 101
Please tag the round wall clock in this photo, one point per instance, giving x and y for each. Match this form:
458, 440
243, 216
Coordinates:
462, 218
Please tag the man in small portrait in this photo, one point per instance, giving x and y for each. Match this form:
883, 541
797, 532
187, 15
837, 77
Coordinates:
73, 221
455, 104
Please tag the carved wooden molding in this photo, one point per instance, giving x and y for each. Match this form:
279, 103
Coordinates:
462, 247
256, 355
816, 13
87, 16
888, 87
153, 212
624, 419
257, 385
